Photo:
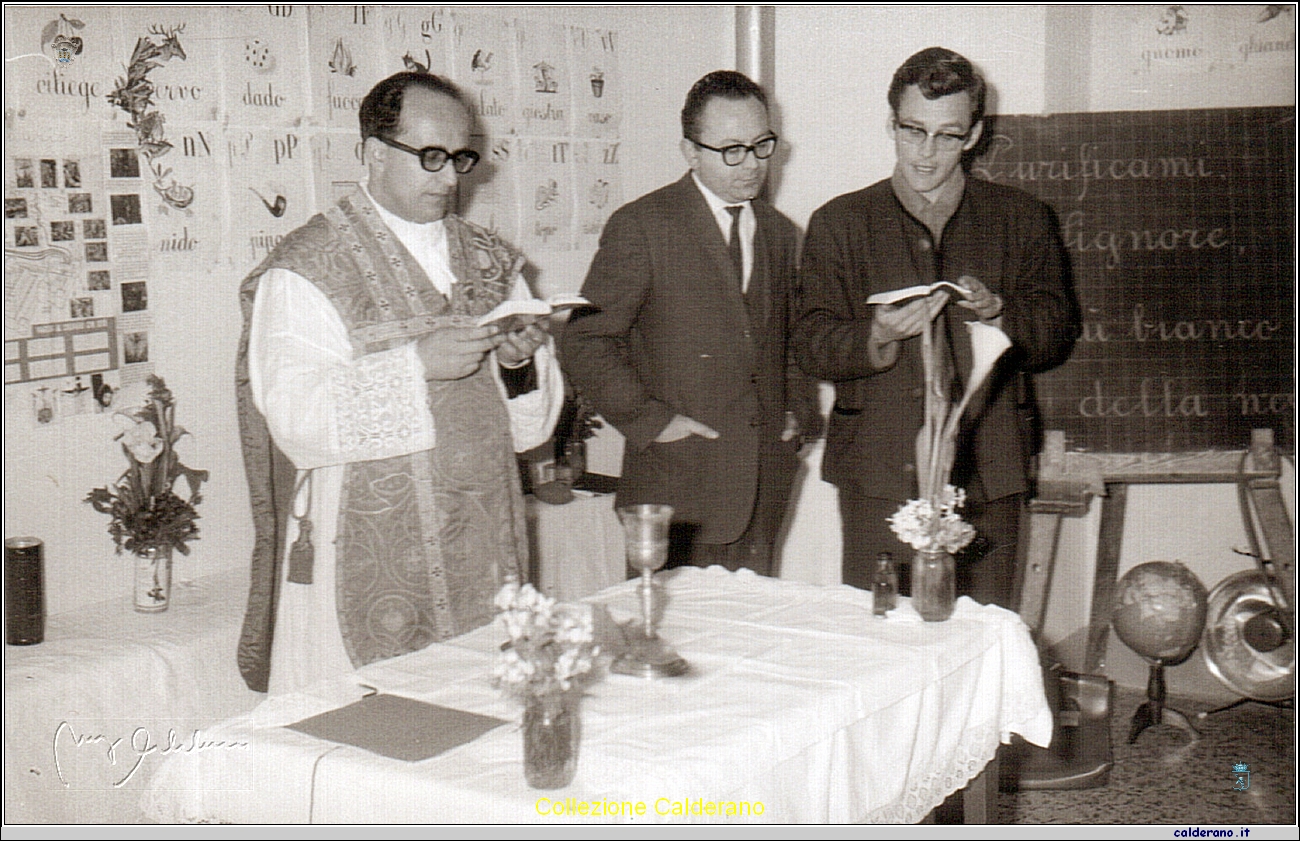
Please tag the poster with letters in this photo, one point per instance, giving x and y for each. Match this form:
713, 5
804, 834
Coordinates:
264, 65
597, 87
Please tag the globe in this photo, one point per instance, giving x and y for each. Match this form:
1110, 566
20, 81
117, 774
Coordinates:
1160, 611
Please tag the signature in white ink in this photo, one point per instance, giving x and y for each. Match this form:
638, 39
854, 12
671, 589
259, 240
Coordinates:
131, 750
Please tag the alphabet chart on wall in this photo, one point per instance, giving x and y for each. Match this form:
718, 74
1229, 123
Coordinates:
175, 144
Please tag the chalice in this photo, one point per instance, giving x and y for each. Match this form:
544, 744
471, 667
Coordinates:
646, 532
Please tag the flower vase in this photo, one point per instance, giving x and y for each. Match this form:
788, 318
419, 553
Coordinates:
551, 731
934, 584
153, 579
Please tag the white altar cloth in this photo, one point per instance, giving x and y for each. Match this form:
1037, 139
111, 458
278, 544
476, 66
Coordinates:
798, 699
89, 711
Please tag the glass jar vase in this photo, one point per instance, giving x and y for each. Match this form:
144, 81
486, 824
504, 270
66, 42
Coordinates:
552, 728
934, 584
153, 579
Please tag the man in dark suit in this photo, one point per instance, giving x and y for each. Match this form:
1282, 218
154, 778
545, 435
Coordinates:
929, 222
685, 351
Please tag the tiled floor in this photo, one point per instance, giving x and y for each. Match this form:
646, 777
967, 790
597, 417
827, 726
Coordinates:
1166, 779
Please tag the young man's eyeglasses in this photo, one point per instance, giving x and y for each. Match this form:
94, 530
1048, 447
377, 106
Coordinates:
735, 155
434, 158
946, 140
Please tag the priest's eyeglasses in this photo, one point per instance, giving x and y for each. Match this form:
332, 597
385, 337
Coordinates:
434, 158
735, 155
946, 140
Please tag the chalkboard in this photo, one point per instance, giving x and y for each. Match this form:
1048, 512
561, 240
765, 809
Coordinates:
1180, 226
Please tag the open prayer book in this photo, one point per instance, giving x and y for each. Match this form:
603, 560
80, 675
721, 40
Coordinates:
516, 314
893, 296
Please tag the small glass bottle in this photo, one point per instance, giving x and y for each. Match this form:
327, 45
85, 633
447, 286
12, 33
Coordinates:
884, 585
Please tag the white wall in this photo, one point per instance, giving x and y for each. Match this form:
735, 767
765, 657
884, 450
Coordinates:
196, 323
833, 66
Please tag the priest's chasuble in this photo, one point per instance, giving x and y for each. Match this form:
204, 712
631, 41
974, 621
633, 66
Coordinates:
406, 489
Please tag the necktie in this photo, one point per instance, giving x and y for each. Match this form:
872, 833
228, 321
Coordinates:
733, 244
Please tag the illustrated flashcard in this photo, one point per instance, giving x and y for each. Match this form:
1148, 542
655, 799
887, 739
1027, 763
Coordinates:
597, 88
483, 49
487, 195
264, 64
338, 165
343, 45
60, 66
599, 189
184, 197
544, 80
546, 195
173, 63
416, 38
270, 188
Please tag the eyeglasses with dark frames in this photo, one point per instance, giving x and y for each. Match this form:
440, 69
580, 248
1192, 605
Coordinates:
434, 158
916, 136
735, 155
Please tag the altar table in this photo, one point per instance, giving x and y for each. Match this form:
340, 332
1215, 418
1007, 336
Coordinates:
799, 703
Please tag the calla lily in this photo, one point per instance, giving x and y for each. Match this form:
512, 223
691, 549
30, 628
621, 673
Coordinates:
929, 441
144, 512
143, 442
987, 344
933, 521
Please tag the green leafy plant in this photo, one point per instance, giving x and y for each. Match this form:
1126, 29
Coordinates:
145, 512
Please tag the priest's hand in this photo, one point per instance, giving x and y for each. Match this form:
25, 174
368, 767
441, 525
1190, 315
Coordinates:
452, 353
518, 346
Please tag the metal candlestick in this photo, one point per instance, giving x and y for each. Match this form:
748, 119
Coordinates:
646, 534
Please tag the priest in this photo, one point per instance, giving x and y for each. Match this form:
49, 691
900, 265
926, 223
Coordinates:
379, 423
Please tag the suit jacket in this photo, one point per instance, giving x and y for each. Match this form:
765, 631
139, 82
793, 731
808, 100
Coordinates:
671, 333
865, 242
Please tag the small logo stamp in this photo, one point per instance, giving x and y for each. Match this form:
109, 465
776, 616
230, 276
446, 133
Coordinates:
65, 48
1241, 776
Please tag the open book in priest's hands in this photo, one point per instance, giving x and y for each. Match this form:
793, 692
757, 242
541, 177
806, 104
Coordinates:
512, 315
894, 296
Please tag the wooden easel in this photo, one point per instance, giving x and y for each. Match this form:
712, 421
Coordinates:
1068, 480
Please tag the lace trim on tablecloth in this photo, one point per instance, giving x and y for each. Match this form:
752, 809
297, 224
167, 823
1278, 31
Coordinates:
977, 747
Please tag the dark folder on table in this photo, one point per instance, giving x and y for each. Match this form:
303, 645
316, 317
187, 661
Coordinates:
397, 727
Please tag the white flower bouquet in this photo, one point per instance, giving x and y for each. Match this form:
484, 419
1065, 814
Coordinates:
920, 525
551, 645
